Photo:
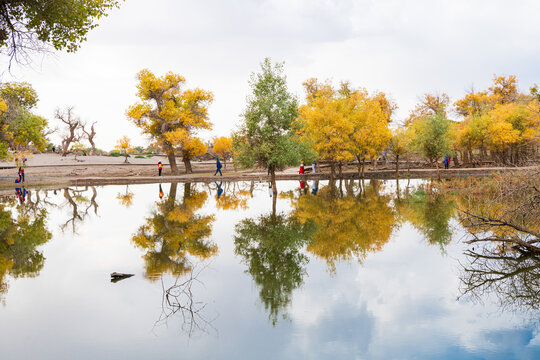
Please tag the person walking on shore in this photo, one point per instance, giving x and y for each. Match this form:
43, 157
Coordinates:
160, 168
21, 174
446, 161
218, 167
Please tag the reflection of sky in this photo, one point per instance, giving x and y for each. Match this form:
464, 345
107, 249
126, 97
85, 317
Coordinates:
400, 304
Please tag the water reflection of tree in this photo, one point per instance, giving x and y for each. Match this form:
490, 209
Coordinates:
179, 300
503, 258
174, 231
349, 223
126, 198
21, 232
429, 212
270, 246
80, 204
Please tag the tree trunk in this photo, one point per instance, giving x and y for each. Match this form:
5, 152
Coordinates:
340, 168
359, 167
187, 164
172, 192
332, 170
126, 160
187, 190
273, 180
274, 203
397, 166
172, 163
93, 147
363, 167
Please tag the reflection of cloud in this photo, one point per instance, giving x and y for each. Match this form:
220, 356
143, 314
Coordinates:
338, 334
401, 304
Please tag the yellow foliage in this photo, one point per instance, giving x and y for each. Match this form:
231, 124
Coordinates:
429, 105
223, 146
124, 145
345, 123
347, 228
169, 114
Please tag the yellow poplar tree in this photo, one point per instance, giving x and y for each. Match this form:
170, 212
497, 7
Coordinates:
323, 123
223, 148
171, 115
371, 134
124, 147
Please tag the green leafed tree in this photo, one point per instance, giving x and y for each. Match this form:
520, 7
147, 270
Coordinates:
27, 26
266, 137
433, 138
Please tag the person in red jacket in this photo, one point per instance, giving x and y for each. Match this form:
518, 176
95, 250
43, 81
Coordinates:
301, 171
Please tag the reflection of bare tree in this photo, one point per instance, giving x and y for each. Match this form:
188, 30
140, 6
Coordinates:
513, 277
80, 205
503, 226
179, 300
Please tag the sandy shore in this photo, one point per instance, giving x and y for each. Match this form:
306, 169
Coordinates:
52, 169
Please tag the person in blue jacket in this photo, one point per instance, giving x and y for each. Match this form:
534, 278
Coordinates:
218, 167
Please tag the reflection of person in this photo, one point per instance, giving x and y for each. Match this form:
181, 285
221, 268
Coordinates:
160, 192
219, 189
314, 188
160, 168
218, 167
21, 194
303, 187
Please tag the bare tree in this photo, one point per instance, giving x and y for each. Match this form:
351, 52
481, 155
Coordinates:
90, 136
73, 124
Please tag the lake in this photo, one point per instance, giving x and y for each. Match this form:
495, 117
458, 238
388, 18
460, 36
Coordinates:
231, 271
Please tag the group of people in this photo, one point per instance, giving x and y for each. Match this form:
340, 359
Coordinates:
218, 168
313, 168
21, 194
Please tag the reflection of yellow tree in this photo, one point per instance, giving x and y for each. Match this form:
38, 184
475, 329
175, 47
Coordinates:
429, 213
19, 238
234, 201
347, 227
126, 199
175, 231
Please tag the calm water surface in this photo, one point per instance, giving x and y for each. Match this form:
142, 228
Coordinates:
337, 273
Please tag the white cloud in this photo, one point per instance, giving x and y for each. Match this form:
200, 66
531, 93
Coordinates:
405, 48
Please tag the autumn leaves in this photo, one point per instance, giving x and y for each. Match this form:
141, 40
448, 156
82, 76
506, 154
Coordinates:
341, 124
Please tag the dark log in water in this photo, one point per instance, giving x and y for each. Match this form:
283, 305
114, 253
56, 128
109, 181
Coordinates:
115, 277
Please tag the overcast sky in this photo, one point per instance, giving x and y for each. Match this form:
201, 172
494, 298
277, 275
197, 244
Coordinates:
404, 48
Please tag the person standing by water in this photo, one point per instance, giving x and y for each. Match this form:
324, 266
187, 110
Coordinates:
218, 167
446, 161
313, 167
160, 168
301, 171
21, 174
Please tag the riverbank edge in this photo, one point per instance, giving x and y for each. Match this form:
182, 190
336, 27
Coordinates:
260, 177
